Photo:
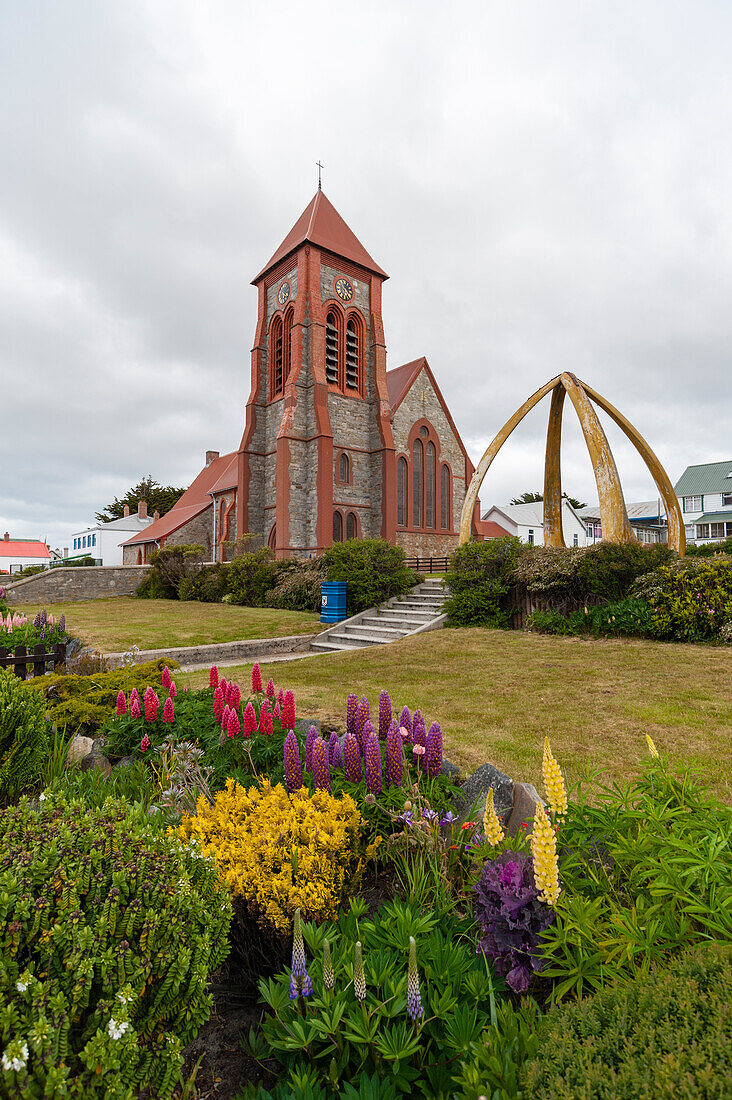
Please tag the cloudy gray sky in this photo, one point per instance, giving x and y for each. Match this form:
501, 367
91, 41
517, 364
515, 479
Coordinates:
548, 186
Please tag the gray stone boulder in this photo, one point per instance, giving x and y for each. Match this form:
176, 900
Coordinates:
79, 748
525, 800
475, 790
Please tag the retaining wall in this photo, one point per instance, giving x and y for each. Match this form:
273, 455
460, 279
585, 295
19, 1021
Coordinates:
206, 655
78, 583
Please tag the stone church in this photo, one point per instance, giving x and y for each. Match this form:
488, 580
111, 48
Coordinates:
335, 446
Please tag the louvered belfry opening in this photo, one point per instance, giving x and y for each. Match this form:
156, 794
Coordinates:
352, 355
331, 349
277, 357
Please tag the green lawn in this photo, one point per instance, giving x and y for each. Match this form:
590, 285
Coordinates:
113, 625
497, 693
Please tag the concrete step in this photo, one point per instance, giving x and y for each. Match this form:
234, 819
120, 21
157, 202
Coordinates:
338, 642
396, 618
432, 610
374, 633
357, 640
391, 626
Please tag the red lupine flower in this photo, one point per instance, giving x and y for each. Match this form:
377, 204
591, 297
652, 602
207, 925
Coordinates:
270, 689
165, 678
173, 690
250, 720
280, 698
276, 713
224, 687
134, 704
218, 703
233, 695
265, 719
145, 744
151, 705
352, 759
213, 677
234, 727
168, 711
288, 710
256, 678
121, 704
372, 759
321, 768
225, 718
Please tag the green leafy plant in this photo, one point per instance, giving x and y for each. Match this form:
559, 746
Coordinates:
690, 600
24, 736
378, 1007
479, 578
373, 569
170, 566
108, 931
251, 575
492, 1066
667, 1034
626, 618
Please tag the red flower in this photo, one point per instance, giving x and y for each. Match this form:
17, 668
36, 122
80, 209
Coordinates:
145, 744
256, 678
468, 825
213, 677
168, 712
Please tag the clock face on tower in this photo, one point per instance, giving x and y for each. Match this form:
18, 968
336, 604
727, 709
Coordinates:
283, 293
344, 289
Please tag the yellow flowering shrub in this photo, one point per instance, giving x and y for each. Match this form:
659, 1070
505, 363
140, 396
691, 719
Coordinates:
280, 851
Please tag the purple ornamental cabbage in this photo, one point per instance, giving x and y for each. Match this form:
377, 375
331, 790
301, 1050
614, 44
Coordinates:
512, 917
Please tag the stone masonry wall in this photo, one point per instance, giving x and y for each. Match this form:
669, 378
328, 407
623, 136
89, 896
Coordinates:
78, 583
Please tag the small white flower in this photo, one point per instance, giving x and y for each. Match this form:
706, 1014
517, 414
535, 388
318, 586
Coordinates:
116, 1030
18, 1056
21, 986
42, 796
125, 998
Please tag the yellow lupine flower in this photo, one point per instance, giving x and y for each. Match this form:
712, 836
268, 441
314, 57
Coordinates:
556, 792
491, 824
651, 747
544, 851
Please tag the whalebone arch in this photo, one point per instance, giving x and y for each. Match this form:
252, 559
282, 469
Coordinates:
614, 515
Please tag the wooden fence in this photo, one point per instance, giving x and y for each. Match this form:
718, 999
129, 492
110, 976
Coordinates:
39, 658
428, 565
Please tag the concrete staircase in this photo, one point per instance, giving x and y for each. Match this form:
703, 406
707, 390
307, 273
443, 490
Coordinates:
419, 610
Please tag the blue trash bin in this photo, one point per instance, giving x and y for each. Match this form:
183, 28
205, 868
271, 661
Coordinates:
333, 601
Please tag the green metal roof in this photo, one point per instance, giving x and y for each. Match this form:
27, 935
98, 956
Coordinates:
715, 517
709, 478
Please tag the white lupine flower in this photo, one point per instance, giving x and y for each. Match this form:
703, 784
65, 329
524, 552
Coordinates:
18, 1056
116, 1030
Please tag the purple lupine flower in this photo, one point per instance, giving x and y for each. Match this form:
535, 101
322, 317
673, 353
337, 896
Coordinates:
37, 620
337, 759
362, 717
384, 713
433, 756
372, 758
419, 734
62, 625
359, 976
415, 1011
309, 741
300, 984
352, 759
293, 763
366, 732
405, 721
42, 635
333, 742
321, 768
351, 709
394, 757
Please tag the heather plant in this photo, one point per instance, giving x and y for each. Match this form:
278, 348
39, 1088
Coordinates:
397, 997
24, 736
108, 931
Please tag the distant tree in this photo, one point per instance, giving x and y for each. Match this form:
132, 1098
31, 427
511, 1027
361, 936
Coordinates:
533, 498
160, 498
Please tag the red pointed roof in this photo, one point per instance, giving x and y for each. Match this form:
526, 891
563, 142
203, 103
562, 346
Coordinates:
23, 548
321, 225
400, 379
194, 501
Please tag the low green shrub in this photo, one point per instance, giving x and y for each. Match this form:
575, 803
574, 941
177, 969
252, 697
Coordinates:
709, 549
298, 587
108, 931
645, 874
629, 618
170, 566
207, 584
24, 736
690, 600
373, 569
479, 578
249, 576
493, 1064
372, 1012
666, 1035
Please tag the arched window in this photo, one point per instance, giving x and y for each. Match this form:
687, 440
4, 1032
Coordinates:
344, 469
337, 527
351, 526
353, 354
429, 485
332, 349
275, 357
402, 477
445, 501
272, 540
417, 457
287, 346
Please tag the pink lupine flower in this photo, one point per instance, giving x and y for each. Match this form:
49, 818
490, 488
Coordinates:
394, 757
270, 689
165, 678
351, 711
145, 744
372, 759
250, 720
433, 750
151, 705
135, 711
265, 719
234, 727
233, 695
223, 684
352, 759
293, 763
384, 714
288, 710
121, 704
173, 690
225, 717
312, 734
168, 711
213, 677
276, 712
256, 679
218, 703
321, 768
280, 698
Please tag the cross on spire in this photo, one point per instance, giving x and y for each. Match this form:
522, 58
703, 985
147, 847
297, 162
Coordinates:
320, 169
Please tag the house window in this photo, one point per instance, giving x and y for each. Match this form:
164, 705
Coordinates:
429, 485
344, 469
353, 354
445, 509
402, 475
717, 530
693, 504
727, 500
575, 540
332, 349
94, 540
337, 527
702, 530
531, 537
351, 526
417, 460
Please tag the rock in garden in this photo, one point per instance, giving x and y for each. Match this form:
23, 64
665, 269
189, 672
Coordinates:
525, 800
79, 748
476, 788
450, 769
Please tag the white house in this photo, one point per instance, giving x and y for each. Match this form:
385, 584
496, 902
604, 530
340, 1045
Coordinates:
646, 517
526, 521
103, 541
16, 554
705, 493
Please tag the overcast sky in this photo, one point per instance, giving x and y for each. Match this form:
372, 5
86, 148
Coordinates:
548, 186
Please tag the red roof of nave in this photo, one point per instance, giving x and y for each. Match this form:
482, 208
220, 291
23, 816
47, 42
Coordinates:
400, 379
321, 225
14, 548
195, 499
